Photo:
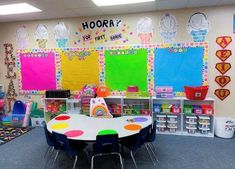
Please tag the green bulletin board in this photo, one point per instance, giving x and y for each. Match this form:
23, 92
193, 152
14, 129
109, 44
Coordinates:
126, 68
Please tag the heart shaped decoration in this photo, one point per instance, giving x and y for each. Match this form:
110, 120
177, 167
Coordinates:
223, 54
222, 93
222, 80
223, 41
223, 67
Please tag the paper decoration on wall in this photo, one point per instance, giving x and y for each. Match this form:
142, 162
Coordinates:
181, 65
22, 37
222, 80
198, 26
79, 67
104, 31
9, 61
223, 67
61, 33
38, 71
41, 36
145, 30
126, 68
222, 93
223, 54
223, 41
168, 28
98, 108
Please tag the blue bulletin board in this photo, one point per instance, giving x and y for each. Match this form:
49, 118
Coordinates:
179, 66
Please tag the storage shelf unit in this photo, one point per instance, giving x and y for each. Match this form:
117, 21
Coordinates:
55, 106
183, 126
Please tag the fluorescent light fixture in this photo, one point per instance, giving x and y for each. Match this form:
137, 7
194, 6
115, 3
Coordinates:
118, 2
17, 9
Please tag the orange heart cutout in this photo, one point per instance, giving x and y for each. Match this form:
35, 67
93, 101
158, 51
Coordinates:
222, 80
223, 54
223, 41
223, 67
222, 93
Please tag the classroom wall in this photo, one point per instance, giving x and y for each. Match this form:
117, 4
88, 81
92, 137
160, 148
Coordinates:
221, 23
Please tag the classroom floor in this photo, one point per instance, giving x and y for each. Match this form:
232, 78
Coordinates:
174, 152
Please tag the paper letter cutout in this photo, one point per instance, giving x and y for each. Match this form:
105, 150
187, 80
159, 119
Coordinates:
223, 41
222, 80
223, 67
223, 54
222, 93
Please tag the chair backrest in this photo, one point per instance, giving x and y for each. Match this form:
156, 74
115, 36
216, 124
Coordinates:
49, 138
19, 107
152, 133
62, 143
143, 136
107, 143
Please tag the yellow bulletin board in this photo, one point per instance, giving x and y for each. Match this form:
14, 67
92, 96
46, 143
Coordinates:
79, 68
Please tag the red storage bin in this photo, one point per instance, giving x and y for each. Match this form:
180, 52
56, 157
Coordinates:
196, 93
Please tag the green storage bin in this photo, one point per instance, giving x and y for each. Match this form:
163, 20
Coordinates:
188, 109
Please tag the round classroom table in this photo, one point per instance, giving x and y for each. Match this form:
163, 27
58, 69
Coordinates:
84, 128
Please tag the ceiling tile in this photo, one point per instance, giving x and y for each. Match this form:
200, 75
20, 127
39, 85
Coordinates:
201, 3
87, 11
226, 2
171, 4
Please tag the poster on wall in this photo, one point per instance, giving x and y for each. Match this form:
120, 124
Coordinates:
22, 37
61, 33
41, 36
168, 28
102, 31
145, 30
181, 65
198, 26
126, 68
37, 71
79, 67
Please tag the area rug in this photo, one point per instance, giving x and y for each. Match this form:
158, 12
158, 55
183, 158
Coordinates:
9, 133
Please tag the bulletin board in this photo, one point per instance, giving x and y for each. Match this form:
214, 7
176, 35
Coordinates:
126, 67
181, 65
79, 67
37, 71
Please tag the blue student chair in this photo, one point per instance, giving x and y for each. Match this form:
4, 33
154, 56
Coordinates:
63, 144
137, 141
50, 140
151, 139
106, 145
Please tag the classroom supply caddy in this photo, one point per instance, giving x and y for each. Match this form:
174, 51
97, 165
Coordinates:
196, 93
182, 116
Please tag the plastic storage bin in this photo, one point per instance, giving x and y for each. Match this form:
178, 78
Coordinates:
17, 120
157, 108
171, 118
207, 109
175, 109
166, 108
191, 119
197, 110
188, 109
196, 93
224, 127
161, 118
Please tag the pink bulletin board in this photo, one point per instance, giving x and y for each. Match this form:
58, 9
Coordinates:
37, 71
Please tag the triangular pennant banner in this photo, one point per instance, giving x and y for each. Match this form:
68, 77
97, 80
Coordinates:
222, 80
222, 93
223, 41
223, 67
223, 54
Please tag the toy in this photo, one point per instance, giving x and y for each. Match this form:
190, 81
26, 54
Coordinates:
103, 91
98, 108
89, 90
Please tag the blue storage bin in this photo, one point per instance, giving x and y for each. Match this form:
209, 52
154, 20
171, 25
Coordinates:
157, 108
17, 120
2, 95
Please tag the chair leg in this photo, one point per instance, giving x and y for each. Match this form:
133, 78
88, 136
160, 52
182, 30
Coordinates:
56, 156
152, 150
149, 154
92, 162
120, 157
87, 155
133, 159
75, 162
48, 150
